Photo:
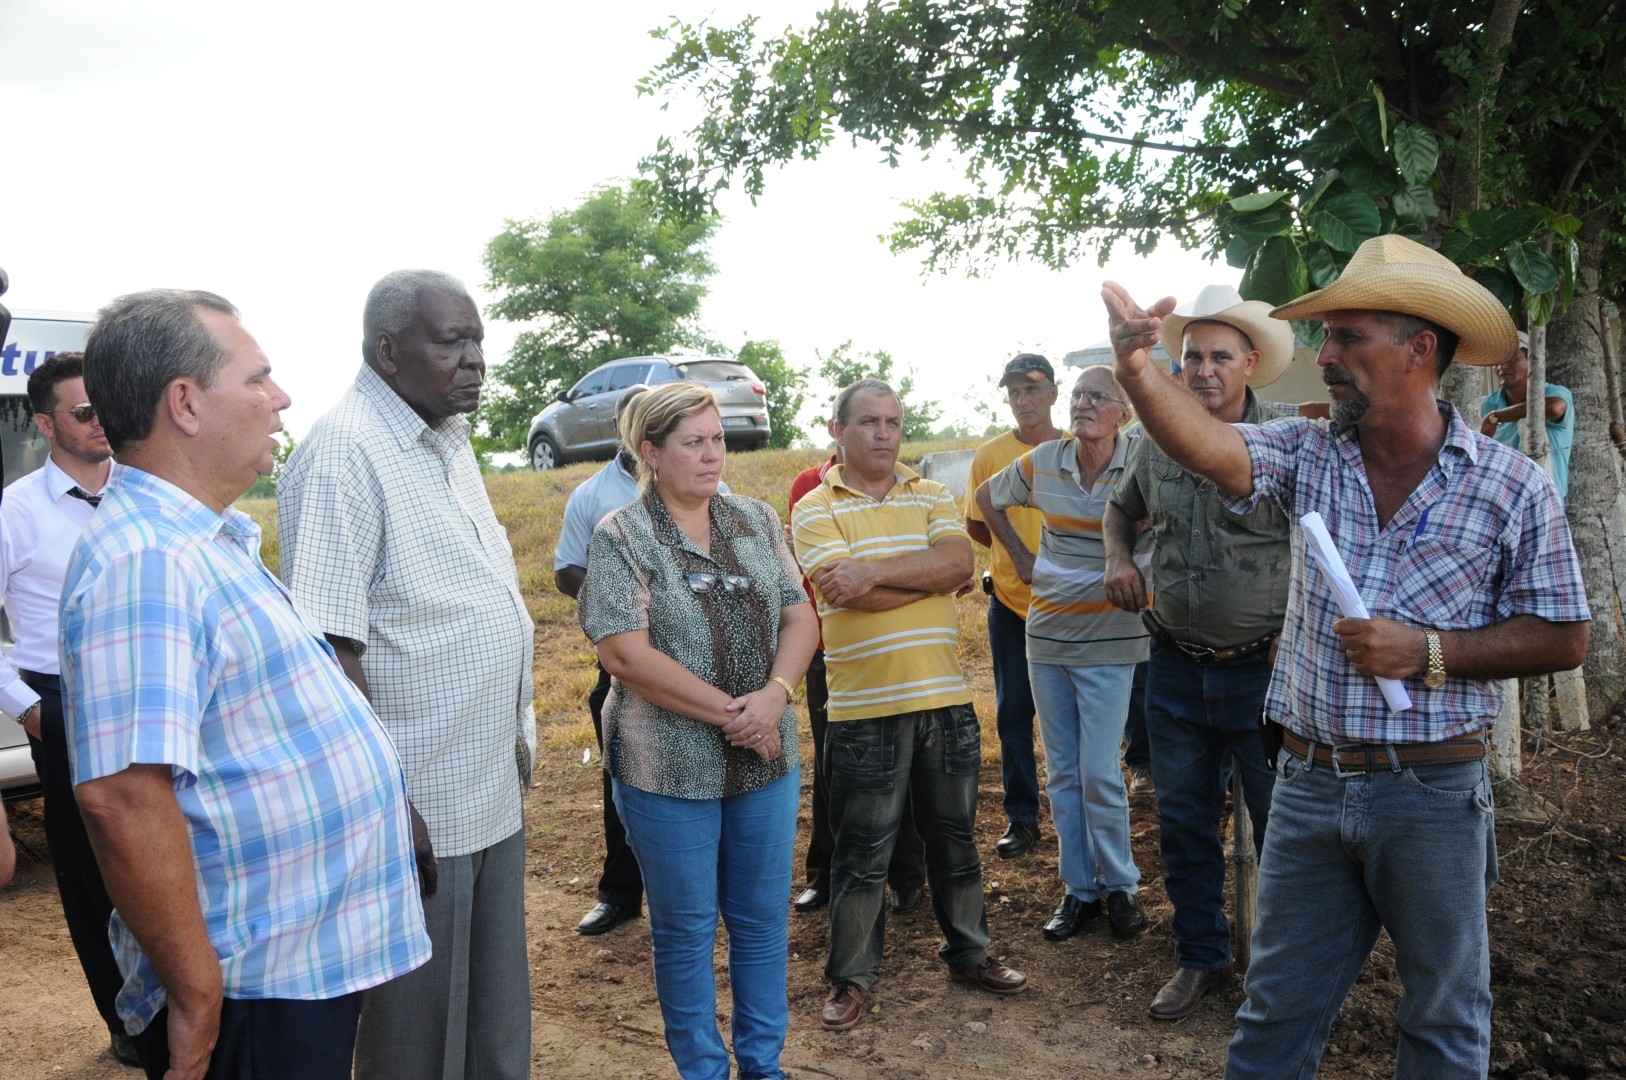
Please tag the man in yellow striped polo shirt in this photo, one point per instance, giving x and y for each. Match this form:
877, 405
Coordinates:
886, 554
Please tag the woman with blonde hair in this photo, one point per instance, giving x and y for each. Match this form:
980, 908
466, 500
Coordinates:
697, 609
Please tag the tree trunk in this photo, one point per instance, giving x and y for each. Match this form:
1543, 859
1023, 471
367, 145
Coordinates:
1596, 505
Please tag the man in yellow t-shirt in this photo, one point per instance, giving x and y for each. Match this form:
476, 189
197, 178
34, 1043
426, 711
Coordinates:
886, 554
1030, 387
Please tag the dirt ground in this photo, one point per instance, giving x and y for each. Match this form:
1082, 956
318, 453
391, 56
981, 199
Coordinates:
1558, 959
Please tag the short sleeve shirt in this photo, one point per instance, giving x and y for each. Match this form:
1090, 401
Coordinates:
1218, 577
1560, 434
180, 648
1481, 539
388, 539
882, 663
992, 456
641, 569
1071, 621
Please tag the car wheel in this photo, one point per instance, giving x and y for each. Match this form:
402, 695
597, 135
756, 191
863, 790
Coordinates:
544, 454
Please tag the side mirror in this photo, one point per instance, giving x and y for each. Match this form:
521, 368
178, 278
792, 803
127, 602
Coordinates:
563, 397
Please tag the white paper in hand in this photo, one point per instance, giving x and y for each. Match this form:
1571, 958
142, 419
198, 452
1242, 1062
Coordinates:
1318, 542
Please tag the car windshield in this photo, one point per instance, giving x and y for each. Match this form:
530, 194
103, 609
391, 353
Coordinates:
713, 371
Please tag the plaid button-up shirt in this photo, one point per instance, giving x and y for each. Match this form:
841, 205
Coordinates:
179, 648
1483, 538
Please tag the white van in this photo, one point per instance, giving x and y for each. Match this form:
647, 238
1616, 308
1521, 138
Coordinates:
34, 337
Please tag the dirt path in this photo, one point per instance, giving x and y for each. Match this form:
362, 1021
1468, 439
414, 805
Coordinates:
1559, 965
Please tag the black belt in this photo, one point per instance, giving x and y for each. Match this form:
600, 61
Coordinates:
1202, 654
39, 681
1372, 757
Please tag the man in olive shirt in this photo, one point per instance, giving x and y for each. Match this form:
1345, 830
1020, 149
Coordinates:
1219, 590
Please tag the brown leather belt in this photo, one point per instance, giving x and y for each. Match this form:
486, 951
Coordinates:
1372, 757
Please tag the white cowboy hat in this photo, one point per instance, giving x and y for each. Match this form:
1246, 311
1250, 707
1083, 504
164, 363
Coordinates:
1221, 303
1392, 273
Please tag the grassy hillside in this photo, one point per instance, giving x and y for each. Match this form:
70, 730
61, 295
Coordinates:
531, 507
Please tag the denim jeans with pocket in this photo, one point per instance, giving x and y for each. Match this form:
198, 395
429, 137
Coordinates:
934, 758
705, 857
1412, 852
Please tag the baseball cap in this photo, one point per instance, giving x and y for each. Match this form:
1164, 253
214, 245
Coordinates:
1029, 366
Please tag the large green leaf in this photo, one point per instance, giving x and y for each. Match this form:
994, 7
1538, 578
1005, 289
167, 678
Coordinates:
1239, 250
1500, 283
1532, 268
1277, 273
1273, 221
1323, 264
1346, 221
1310, 331
1248, 204
1500, 228
1417, 152
1540, 307
1414, 206
1375, 179
1370, 122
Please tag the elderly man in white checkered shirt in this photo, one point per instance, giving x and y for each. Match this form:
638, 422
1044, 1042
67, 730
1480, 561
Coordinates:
387, 537
1383, 819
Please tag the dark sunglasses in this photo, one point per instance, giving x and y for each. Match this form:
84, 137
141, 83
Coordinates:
702, 583
84, 412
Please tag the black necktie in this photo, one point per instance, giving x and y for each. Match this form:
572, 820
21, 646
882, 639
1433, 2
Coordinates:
80, 493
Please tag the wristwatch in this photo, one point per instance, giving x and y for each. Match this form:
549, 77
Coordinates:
1435, 676
23, 716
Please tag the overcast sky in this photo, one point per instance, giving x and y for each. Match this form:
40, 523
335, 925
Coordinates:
286, 156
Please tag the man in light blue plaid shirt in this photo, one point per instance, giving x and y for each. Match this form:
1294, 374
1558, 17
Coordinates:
246, 806
1461, 552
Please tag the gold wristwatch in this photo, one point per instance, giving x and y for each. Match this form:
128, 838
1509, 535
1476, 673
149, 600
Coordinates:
1435, 676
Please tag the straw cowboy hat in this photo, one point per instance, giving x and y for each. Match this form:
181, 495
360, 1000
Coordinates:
1223, 304
1391, 273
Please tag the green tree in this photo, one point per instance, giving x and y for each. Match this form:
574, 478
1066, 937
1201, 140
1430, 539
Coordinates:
1277, 135
787, 389
603, 280
843, 366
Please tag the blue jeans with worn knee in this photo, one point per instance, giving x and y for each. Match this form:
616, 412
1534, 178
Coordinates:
1081, 716
1412, 852
702, 857
1201, 718
1013, 715
931, 757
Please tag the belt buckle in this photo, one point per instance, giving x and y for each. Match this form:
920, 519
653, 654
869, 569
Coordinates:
1338, 769
1198, 654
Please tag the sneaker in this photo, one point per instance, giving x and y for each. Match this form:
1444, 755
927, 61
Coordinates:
1140, 781
1124, 915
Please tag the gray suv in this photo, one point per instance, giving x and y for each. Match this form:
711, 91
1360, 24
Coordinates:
580, 424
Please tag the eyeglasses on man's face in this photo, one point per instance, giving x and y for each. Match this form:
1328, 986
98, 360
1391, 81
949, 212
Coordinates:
1096, 398
702, 583
84, 412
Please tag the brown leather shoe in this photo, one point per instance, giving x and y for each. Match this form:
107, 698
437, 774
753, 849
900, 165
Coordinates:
1180, 995
845, 1006
993, 976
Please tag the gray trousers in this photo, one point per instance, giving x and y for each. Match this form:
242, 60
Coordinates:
466, 1014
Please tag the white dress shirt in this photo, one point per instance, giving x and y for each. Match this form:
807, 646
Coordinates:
39, 525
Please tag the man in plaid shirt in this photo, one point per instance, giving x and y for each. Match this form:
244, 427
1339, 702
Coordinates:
1460, 549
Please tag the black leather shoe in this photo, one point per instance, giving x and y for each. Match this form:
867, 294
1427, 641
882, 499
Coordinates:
1124, 915
605, 917
1071, 916
811, 898
1181, 994
906, 900
1020, 837
124, 1051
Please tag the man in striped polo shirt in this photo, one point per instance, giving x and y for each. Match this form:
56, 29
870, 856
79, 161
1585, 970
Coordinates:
886, 554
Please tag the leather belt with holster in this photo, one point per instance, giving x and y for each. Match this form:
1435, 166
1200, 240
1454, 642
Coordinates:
1202, 654
1375, 757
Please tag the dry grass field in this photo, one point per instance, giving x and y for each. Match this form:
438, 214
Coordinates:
1558, 932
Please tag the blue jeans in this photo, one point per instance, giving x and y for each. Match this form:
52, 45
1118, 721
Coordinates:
1412, 852
1013, 717
1199, 717
1081, 716
932, 757
704, 856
